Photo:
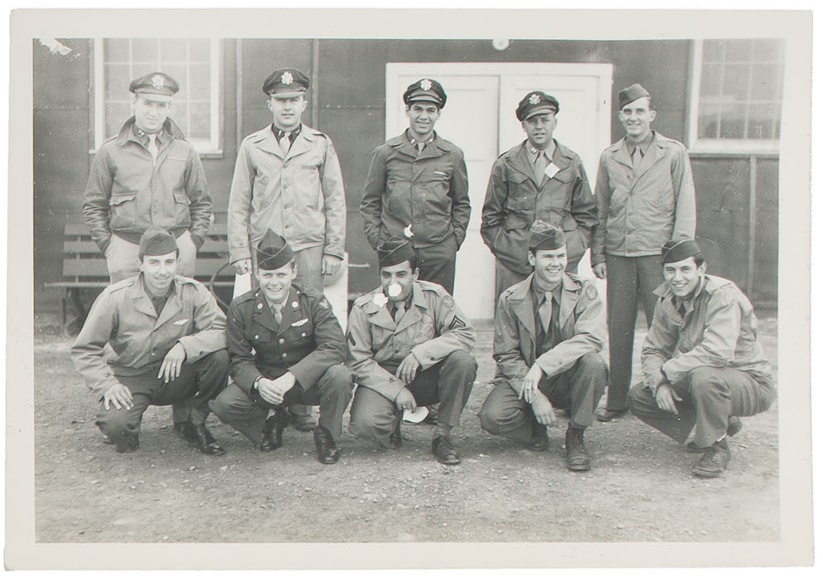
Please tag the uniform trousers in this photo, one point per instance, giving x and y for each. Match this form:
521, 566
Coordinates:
199, 381
578, 389
449, 382
248, 413
710, 396
629, 279
122, 263
437, 263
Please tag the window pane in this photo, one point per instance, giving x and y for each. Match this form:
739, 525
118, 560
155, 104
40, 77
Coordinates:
199, 81
199, 50
144, 50
173, 50
762, 119
766, 81
199, 121
116, 115
768, 50
117, 82
708, 122
713, 51
180, 114
712, 79
736, 82
739, 50
733, 121
117, 50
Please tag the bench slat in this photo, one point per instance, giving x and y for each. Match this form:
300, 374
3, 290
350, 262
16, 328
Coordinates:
79, 229
89, 247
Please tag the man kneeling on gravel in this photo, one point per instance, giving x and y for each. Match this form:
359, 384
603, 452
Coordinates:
702, 363
154, 339
286, 348
548, 333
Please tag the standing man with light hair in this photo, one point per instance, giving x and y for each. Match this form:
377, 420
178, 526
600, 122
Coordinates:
645, 195
539, 179
287, 179
703, 366
417, 189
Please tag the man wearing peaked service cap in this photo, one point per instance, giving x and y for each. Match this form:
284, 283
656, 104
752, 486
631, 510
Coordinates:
409, 346
539, 179
287, 178
645, 195
154, 339
147, 174
425, 177
286, 348
703, 366
549, 331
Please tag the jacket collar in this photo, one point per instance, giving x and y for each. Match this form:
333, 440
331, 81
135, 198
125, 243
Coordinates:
126, 133
291, 313
523, 307
141, 300
266, 141
380, 316
437, 146
654, 152
521, 160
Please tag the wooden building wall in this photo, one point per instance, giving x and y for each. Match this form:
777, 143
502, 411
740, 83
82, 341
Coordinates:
348, 103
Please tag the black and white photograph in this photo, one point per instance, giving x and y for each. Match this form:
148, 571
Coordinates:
407, 289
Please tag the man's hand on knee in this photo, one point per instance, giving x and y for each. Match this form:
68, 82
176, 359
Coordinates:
665, 397
172, 363
543, 410
119, 396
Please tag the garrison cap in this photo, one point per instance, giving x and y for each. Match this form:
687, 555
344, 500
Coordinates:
536, 102
545, 236
425, 90
631, 94
156, 241
677, 250
286, 83
158, 85
273, 252
394, 252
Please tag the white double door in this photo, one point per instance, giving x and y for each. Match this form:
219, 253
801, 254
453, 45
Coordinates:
479, 117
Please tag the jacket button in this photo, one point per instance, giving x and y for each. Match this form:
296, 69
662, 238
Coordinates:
302, 334
281, 341
256, 337
284, 355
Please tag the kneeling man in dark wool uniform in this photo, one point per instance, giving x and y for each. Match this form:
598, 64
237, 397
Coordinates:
703, 366
549, 331
154, 339
286, 348
409, 345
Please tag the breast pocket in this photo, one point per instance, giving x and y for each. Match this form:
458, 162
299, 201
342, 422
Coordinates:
123, 211
182, 213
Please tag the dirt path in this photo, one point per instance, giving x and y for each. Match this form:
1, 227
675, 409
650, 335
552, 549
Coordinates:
639, 488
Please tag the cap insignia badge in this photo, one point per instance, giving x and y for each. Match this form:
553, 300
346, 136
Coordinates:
534, 99
157, 82
287, 78
426, 84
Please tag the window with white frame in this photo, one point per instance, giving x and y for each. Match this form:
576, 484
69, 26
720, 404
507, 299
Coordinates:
737, 95
193, 62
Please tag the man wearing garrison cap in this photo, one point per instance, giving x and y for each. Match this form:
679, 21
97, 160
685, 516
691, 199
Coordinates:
286, 347
154, 339
417, 188
645, 195
703, 366
549, 331
539, 179
409, 346
287, 179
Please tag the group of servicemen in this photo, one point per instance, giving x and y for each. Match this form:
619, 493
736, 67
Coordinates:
155, 336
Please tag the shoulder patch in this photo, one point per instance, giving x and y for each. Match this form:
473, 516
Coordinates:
323, 303
591, 292
448, 302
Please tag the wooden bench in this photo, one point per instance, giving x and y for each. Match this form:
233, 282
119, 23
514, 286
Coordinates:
84, 267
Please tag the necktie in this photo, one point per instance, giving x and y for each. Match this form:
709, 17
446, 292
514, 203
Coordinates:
540, 165
637, 158
399, 311
278, 313
153, 149
285, 142
545, 313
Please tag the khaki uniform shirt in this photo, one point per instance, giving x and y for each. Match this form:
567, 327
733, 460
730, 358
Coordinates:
432, 328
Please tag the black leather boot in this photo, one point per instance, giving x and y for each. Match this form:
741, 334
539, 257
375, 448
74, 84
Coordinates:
273, 430
327, 451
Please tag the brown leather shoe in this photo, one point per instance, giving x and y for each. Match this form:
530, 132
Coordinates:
327, 451
735, 426
714, 461
444, 451
577, 457
273, 431
540, 438
395, 438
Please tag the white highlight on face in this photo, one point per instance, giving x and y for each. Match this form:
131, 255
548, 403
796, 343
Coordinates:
394, 290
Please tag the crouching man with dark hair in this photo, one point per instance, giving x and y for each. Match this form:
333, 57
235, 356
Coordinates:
154, 339
702, 363
286, 348
549, 331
